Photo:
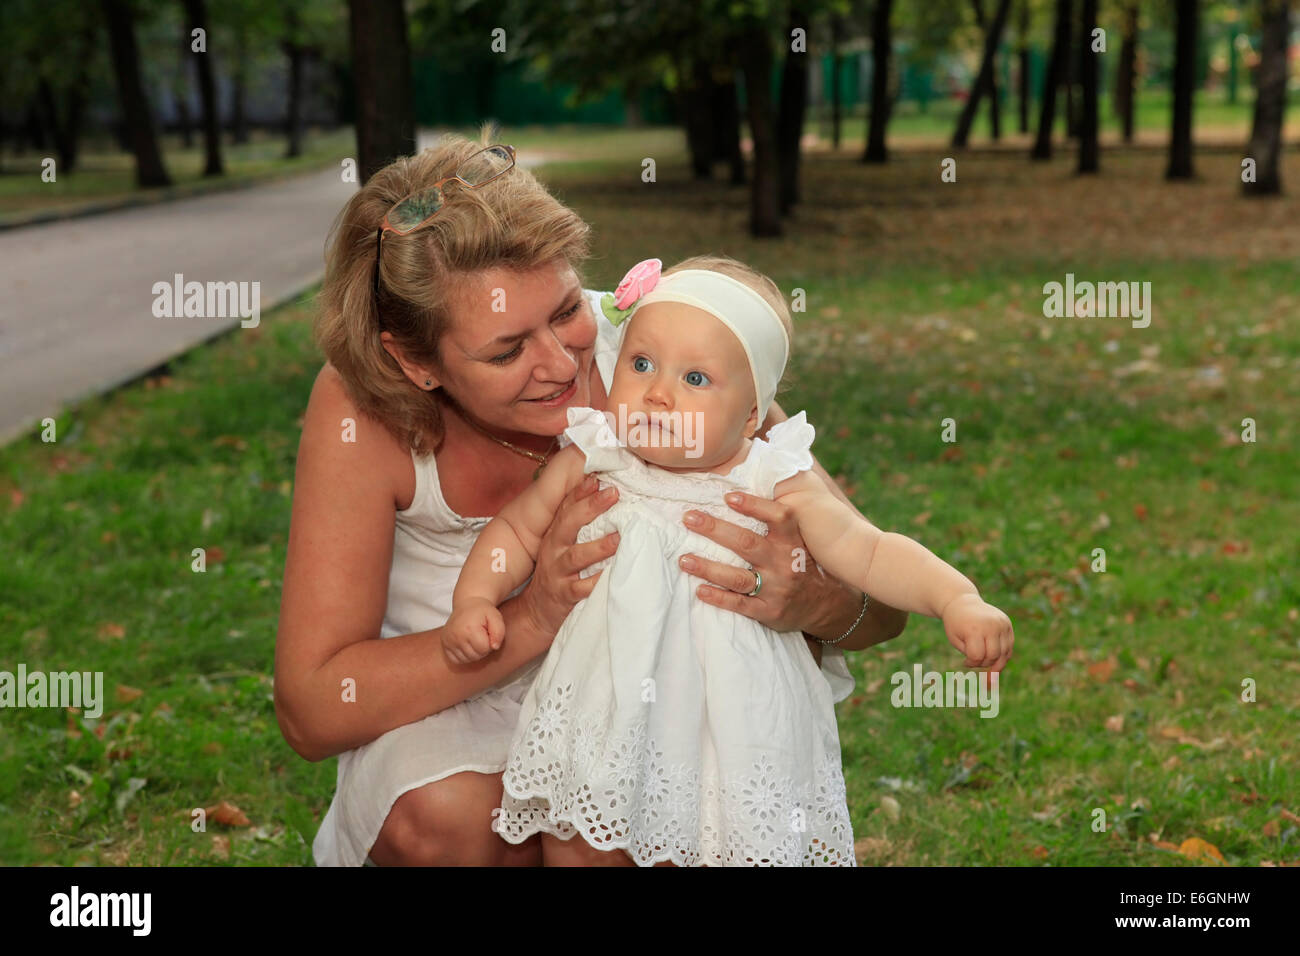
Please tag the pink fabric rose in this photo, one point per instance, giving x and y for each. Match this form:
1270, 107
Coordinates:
640, 279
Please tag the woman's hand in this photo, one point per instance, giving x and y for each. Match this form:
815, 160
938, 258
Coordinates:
555, 586
794, 596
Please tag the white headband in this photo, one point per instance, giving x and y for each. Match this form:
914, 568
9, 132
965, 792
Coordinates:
739, 308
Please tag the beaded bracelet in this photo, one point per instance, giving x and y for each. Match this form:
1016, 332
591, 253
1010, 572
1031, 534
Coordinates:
852, 626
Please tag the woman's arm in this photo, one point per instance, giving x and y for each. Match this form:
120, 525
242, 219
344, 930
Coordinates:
337, 685
809, 599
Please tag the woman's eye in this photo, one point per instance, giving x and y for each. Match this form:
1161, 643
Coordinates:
697, 384
636, 363
563, 316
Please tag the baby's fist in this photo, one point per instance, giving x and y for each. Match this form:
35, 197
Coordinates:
979, 630
474, 630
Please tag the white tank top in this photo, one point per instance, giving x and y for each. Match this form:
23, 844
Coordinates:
431, 542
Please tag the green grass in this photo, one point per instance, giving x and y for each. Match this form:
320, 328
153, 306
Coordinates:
924, 302
104, 173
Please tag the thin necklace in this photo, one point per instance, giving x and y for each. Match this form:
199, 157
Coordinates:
523, 451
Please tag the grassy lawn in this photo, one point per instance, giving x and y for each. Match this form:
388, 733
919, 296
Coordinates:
105, 173
924, 302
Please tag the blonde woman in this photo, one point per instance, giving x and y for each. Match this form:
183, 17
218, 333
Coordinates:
457, 334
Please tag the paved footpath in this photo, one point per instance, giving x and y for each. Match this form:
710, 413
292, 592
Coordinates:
76, 299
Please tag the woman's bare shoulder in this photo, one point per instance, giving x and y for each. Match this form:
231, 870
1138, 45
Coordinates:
337, 435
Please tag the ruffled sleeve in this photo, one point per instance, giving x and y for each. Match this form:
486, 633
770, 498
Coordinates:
836, 671
593, 432
783, 453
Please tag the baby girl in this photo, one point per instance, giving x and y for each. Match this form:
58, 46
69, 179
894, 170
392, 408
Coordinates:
659, 725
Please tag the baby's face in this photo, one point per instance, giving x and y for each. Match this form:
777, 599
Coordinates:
682, 367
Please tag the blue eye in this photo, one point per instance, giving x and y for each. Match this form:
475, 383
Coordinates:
641, 358
697, 384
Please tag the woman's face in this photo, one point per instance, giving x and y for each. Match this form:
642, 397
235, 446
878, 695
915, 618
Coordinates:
520, 349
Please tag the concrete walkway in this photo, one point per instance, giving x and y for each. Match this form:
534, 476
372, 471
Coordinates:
76, 299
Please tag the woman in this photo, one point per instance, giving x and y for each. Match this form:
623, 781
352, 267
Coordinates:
454, 350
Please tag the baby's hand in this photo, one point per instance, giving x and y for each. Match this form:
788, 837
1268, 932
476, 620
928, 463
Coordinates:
979, 630
474, 630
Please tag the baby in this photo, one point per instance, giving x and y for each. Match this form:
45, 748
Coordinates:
659, 724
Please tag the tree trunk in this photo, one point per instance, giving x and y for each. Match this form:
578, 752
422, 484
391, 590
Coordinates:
632, 107
697, 103
381, 70
1270, 101
726, 111
1089, 150
1180, 140
238, 109
34, 127
50, 122
1051, 81
765, 191
181, 93
1022, 66
1071, 82
1126, 75
293, 119
149, 169
197, 15
790, 112
984, 81
837, 105
65, 125
881, 104
995, 106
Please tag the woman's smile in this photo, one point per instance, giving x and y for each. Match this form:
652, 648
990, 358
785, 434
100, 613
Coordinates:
557, 398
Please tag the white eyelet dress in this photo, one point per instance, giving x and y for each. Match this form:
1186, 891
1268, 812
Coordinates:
430, 545
667, 727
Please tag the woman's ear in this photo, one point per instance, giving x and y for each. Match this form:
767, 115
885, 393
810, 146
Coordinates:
422, 375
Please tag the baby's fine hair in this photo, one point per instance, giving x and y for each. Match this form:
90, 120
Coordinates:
743, 274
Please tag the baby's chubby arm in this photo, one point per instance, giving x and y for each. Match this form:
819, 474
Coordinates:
517, 530
476, 627
896, 570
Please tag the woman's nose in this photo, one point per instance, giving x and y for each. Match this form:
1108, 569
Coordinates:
560, 360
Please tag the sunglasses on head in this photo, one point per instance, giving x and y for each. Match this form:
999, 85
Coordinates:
417, 209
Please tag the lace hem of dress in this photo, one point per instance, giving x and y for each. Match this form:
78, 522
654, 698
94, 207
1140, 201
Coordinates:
567, 779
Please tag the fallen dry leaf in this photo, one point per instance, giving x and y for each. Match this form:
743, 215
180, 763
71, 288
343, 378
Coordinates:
221, 847
111, 630
1115, 724
1101, 670
228, 815
1194, 848
127, 694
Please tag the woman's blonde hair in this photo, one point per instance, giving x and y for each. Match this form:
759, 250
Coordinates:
512, 222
